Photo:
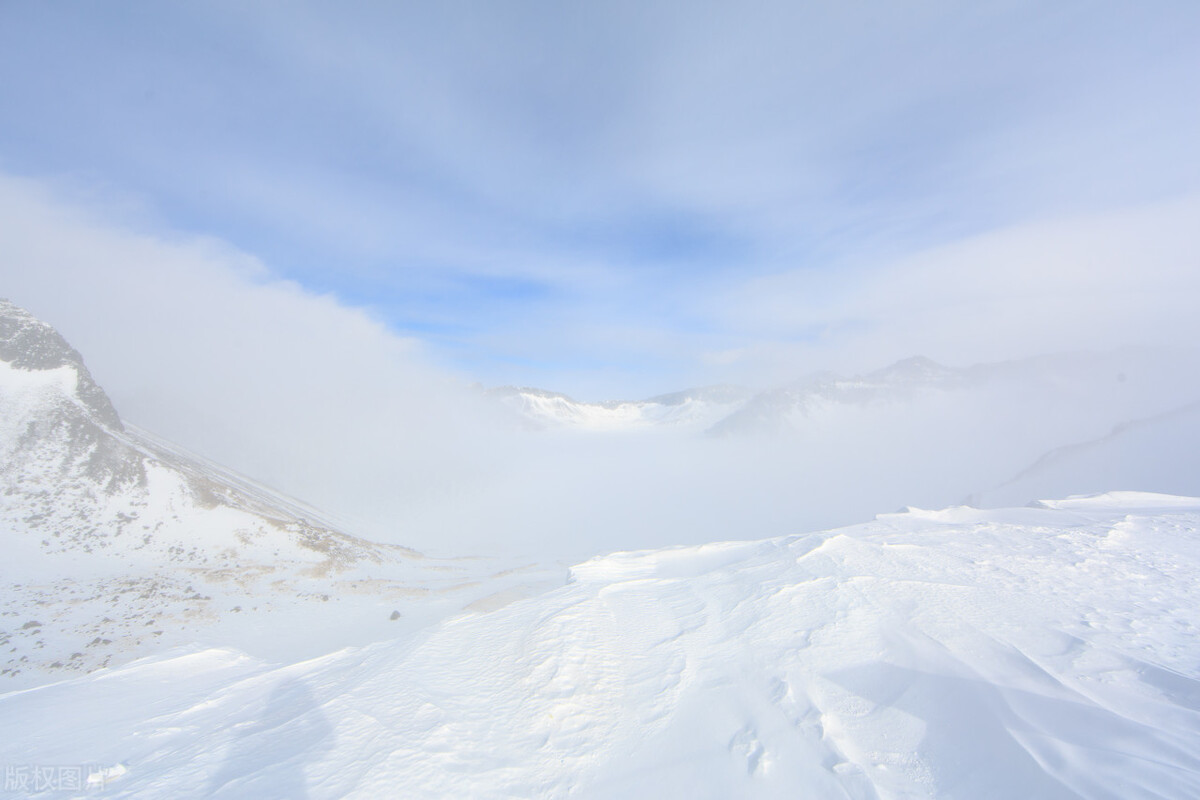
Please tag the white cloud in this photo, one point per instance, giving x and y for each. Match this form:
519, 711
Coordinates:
1090, 282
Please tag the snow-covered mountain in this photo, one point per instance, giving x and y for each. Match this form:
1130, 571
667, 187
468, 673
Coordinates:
116, 544
834, 448
1160, 452
730, 410
1126, 385
697, 408
1045, 652
787, 407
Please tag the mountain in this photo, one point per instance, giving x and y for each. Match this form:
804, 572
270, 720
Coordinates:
722, 410
782, 409
76, 476
689, 409
828, 449
1159, 452
118, 544
1046, 652
1104, 389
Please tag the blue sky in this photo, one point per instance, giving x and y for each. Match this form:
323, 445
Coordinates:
623, 198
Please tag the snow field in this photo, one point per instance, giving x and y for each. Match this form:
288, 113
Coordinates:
1034, 652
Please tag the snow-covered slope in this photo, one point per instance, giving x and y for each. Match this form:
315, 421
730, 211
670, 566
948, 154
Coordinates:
786, 407
1049, 652
118, 545
1161, 452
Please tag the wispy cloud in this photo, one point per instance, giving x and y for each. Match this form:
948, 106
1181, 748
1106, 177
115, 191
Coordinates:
1087, 282
615, 174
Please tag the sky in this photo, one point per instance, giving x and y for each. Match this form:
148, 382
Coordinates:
289, 236
619, 199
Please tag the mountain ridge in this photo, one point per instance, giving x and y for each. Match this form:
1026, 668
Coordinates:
120, 544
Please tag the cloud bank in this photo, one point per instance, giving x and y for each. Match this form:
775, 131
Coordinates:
201, 344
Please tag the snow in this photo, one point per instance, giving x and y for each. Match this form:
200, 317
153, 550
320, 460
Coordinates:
1030, 652
171, 629
24, 391
1127, 500
690, 410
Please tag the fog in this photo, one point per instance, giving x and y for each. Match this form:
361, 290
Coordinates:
203, 345
574, 492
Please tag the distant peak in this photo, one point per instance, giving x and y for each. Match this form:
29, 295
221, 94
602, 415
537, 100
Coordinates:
516, 391
30, 344
716, 393
914, 366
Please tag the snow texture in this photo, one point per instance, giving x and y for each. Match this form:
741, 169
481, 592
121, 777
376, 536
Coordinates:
1037, 652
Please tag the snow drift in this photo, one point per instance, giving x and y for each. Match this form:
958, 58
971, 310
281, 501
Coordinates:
1035, 652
